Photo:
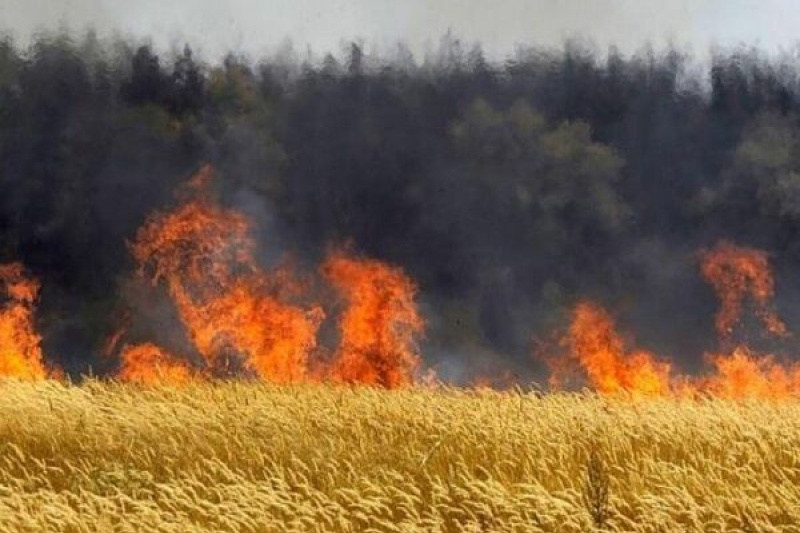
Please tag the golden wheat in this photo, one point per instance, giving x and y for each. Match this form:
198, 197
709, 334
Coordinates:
254, 457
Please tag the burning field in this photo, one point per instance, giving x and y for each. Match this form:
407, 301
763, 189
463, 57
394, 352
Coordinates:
296, 398
388, 290
356, 320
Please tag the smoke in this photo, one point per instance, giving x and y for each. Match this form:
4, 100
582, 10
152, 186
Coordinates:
508, 192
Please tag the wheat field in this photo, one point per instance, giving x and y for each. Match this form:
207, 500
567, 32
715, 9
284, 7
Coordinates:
253, 457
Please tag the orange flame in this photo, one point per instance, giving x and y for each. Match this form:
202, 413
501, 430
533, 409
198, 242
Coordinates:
746, 375
735, 272
20, 351
380, 326
149, 364
595, 345
232, 309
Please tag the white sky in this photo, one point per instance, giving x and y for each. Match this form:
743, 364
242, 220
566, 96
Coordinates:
256, 26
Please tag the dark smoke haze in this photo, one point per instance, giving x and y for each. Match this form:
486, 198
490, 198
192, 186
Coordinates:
506, 190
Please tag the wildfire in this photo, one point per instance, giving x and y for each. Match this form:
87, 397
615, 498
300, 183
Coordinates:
20, 353
243, 320
597, 348
736, 272
232, 309
746, 375
150, 364
380, 325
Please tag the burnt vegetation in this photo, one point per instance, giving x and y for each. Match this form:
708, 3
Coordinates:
506, 190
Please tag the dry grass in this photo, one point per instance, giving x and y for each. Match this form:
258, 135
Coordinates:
251, 457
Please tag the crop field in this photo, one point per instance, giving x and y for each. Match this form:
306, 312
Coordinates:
252, 457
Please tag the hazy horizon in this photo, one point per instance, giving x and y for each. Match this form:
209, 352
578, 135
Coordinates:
253, 28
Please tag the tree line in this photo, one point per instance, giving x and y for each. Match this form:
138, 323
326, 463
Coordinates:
507, 190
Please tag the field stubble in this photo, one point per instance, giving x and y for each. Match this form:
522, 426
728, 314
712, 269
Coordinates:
255, 457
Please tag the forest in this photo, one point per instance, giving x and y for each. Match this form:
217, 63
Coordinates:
508, 190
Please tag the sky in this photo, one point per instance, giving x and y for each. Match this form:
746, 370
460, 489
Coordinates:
214, 27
